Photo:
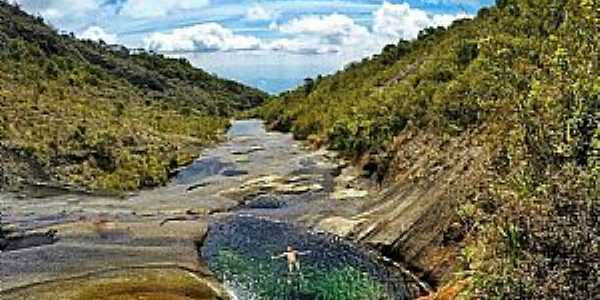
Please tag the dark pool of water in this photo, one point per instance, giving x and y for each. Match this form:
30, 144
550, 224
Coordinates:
259, 239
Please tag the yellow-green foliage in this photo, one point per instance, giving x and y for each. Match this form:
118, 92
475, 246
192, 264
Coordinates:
103, 137
529, 72
102, 119
476, 70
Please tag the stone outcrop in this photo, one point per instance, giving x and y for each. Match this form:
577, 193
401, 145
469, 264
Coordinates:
106, 259
410, 213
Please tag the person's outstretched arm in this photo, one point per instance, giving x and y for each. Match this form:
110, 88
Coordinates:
282, 255
305, 252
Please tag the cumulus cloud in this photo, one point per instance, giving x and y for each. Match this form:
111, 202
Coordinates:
58, 8
259, 13
301, 46
309, 34
158, 8
339, 33
96, 33
320, 34
395, 21
209, 37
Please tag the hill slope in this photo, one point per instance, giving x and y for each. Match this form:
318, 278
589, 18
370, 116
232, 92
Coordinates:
94, 115
486, 136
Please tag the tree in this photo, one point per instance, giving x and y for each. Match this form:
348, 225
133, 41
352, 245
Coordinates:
467, 51
309, 85
389, 55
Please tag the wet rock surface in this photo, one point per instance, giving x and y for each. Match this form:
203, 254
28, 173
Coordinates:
200, 169
265, 202
234, 173
14, 242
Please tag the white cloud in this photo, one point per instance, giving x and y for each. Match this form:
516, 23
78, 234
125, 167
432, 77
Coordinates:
395, 21
301, 46
259, 13
307, 35
58, 8
310, 34
158, 8
340, 33
207, 37
320, 34
339, 29
96, 33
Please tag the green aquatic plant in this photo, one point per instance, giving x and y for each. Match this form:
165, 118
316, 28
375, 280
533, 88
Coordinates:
346, 284
268, 279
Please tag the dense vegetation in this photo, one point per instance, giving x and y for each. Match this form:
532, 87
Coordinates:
524, 75
94, 115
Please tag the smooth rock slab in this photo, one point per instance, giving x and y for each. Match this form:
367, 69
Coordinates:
294, 185
338, 225
150, 283
112, 259
346, 194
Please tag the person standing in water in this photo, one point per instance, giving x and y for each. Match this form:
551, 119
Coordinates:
292, 258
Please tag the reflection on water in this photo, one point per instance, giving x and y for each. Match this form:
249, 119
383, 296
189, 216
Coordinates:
201, 169
246, 128
214, 165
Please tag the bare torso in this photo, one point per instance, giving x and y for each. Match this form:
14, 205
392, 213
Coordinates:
292, 256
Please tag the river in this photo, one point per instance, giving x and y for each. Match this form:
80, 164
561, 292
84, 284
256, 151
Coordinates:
240, 203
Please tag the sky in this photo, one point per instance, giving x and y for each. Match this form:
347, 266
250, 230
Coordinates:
269, 44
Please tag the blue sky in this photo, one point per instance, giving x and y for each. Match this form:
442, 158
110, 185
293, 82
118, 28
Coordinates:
270, 44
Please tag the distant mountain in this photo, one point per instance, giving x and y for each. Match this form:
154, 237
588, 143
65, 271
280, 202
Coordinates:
98, 115
486, 139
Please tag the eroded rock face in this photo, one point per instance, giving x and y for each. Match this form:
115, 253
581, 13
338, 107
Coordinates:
107, 258
416, 205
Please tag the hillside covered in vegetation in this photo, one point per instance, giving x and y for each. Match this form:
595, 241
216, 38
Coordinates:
98, 116
517, 88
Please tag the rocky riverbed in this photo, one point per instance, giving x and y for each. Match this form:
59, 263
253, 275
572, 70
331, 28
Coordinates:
258, 191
